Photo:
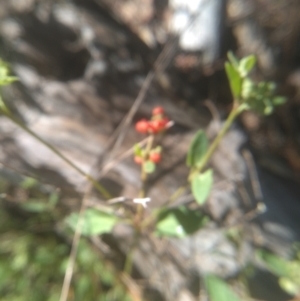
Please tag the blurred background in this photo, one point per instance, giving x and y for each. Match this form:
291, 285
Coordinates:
80, 65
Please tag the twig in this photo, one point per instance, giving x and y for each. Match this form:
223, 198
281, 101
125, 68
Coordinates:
116, 140
107, 167
118, 136
97, 185
123, 278
213, 110
134, 290
74, 248
253, 175
144, 175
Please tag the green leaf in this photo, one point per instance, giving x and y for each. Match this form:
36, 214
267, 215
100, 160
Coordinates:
233, 59
277, 265
169, 226
82, 286
201, 185
149, 166
28, 183
95, 222
235, 80
248, 88
246, 65
179, 222
278, 100
53, 199
3, 107
35, 206
4, 69
137, 150
197, 149
260, 97
271, 86
7, 80
289, 286
219, 290
268, 110
157, 149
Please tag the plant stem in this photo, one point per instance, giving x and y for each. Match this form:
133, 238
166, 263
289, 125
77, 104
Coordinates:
140, 209
177, 194
143, 172
129, 257
96, 184
129, 261
236, 110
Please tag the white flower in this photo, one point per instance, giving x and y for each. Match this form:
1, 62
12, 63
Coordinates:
142, 201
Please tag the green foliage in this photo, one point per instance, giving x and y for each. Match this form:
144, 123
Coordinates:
20, 253
5, 79
44, 259
237, 71
39, 205
35, 206
29, 183
246, 64
138, 151
218, 290
95, 222
278, 265
37, 199
235, 80
179, 222
287, 271
197, 150
233, 60
259, 97
201, 185
53, 199
149, 166
32, 265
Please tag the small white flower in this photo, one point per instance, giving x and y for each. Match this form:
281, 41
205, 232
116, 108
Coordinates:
142, 201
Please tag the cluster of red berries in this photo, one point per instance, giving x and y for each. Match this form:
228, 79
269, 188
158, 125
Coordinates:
155, 157
157, 124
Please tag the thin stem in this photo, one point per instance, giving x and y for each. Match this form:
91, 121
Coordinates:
96, 184
129, 256
106, 168
140, 210
177, 194
144, 175
74, 249
129, 261
236, 110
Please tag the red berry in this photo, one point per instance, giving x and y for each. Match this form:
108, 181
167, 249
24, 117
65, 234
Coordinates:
155, 126
158, 111
164, 122
138, 160
155, 157
142, 126
158, 125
